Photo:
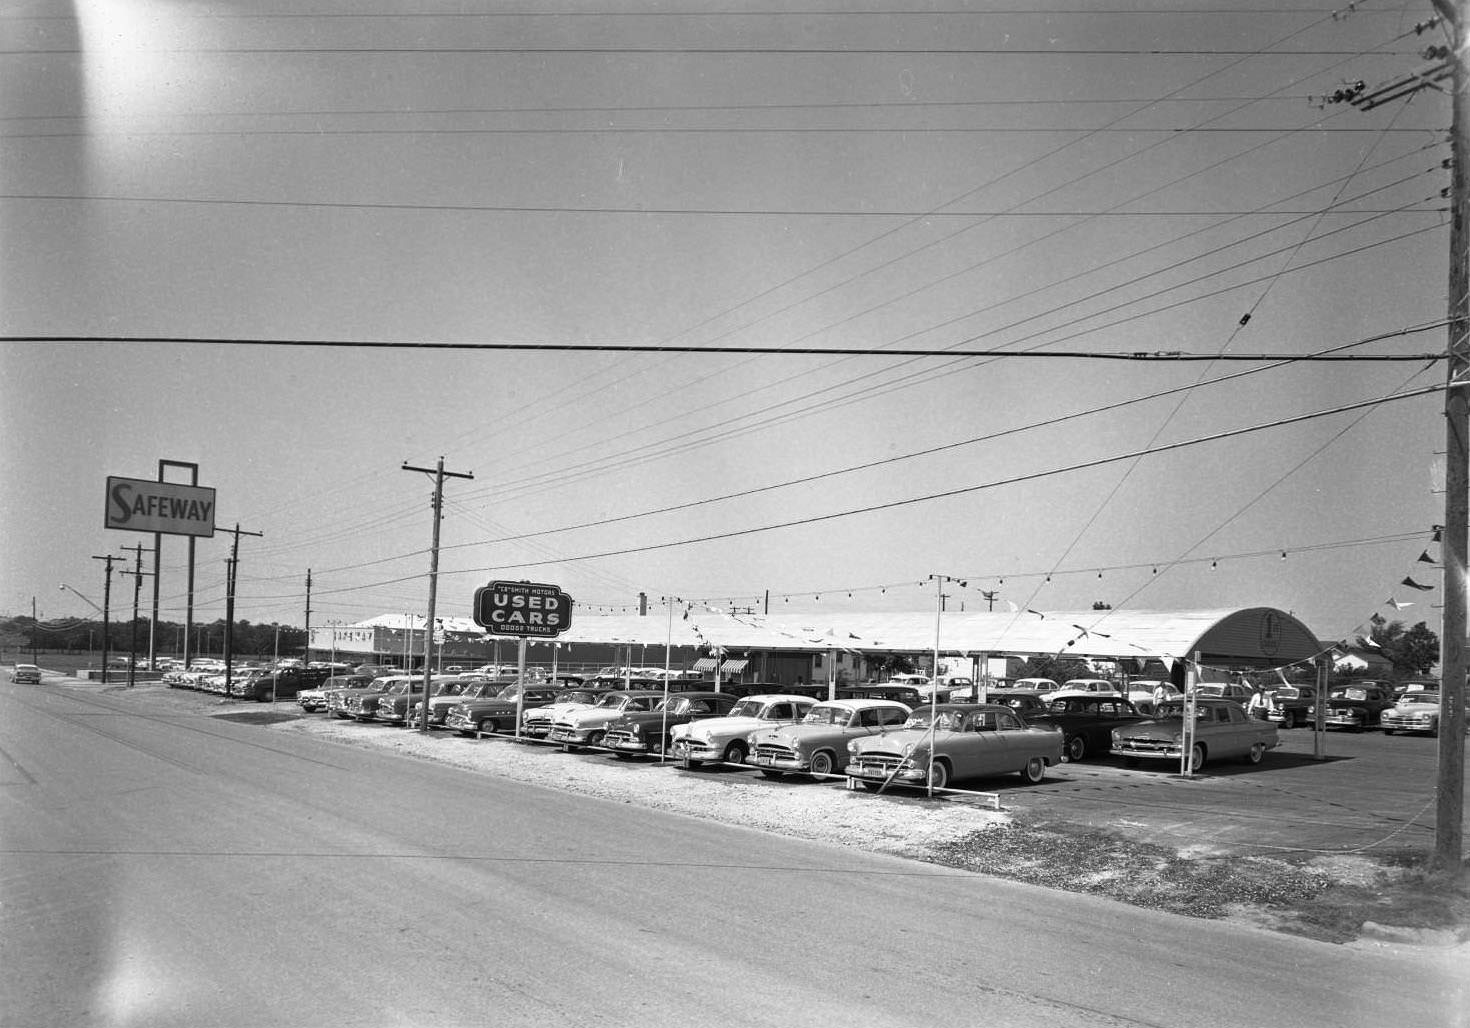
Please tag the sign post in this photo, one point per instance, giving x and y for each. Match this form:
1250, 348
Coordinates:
526, 610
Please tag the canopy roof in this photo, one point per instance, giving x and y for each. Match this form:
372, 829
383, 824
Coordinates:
1249, 636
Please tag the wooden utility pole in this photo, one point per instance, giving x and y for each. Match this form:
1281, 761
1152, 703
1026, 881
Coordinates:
106, 608
1450, 795
232, 566
138, 574
439, 475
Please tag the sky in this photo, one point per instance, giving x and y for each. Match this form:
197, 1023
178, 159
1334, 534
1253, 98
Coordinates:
304, 248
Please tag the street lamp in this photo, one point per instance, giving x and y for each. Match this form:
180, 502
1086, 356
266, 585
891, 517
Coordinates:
66, 588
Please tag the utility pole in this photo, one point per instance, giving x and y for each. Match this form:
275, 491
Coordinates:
306, 647
138, 574
35, 659
439, 475
989, 596
106, 608
232, 566
1450, 794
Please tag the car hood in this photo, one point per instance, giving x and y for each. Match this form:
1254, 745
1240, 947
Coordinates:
717, 725
804, 733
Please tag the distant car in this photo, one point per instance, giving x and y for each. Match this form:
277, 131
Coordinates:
1086, 722
1141, 693
281, 684
1414, 712
1042, 685
645, 732
337, 696
536, 722
1356, 707
1025, 702
966, 740
726, 738
26, 674
1222, 730
472, 687
818, 743
908, 695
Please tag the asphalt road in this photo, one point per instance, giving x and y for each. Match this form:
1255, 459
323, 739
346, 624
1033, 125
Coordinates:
167, 870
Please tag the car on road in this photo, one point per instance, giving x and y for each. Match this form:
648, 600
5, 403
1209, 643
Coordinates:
646, 732
1356, 707
953, 742
585, 726
497, 711
817, 744
727, 738
1086, 722
26, 674
1414, 712
1222, 731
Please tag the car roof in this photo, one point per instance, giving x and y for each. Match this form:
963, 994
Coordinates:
860, 703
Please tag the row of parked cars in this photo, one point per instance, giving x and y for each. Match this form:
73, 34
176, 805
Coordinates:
877, 735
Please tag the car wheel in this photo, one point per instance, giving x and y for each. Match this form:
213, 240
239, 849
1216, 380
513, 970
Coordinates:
939, 775
1196, 757
1288, 719
595, 739
1257, 751
1034, 771
1076, 748
735, 752
822, 763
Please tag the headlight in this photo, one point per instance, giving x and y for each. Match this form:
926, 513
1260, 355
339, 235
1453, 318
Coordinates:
635, 730
852, 746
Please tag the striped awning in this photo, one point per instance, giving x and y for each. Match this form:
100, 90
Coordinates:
733, 667
705, 664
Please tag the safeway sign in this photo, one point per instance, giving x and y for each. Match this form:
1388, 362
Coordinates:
138, 505
523, 608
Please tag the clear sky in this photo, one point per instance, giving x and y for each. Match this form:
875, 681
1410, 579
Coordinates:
1011, 177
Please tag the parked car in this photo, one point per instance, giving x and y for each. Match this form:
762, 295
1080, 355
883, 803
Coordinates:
1409, 685
337, 696
363, 705
1356, 707
1414, 712
585, 726
1145, 692
648, 731
1291, 705
536, 722
497, 712
26, 674
965, 741
312, 700
1041, 685
1024, 701
818, 743
472, 687
908, 695
726, 738
280, 684
393, 708
1222, 730
1086, 722
1086, 687
1224, 691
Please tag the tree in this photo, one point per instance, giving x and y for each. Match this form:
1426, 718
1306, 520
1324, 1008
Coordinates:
1058, 669
1412, 652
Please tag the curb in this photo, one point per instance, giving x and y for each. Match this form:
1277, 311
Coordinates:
1443, 938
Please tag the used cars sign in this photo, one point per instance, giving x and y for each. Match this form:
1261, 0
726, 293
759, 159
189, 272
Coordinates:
523, 608
138, 505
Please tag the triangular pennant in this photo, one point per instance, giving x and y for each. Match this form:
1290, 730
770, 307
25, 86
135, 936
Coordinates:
1413, 584
1425, 558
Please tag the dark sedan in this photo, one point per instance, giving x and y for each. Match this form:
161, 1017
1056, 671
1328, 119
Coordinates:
1086, 722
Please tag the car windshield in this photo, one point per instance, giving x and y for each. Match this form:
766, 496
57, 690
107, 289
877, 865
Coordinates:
575, 696
949, 720
747, 708
827, 714
1350, 694
613, 700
